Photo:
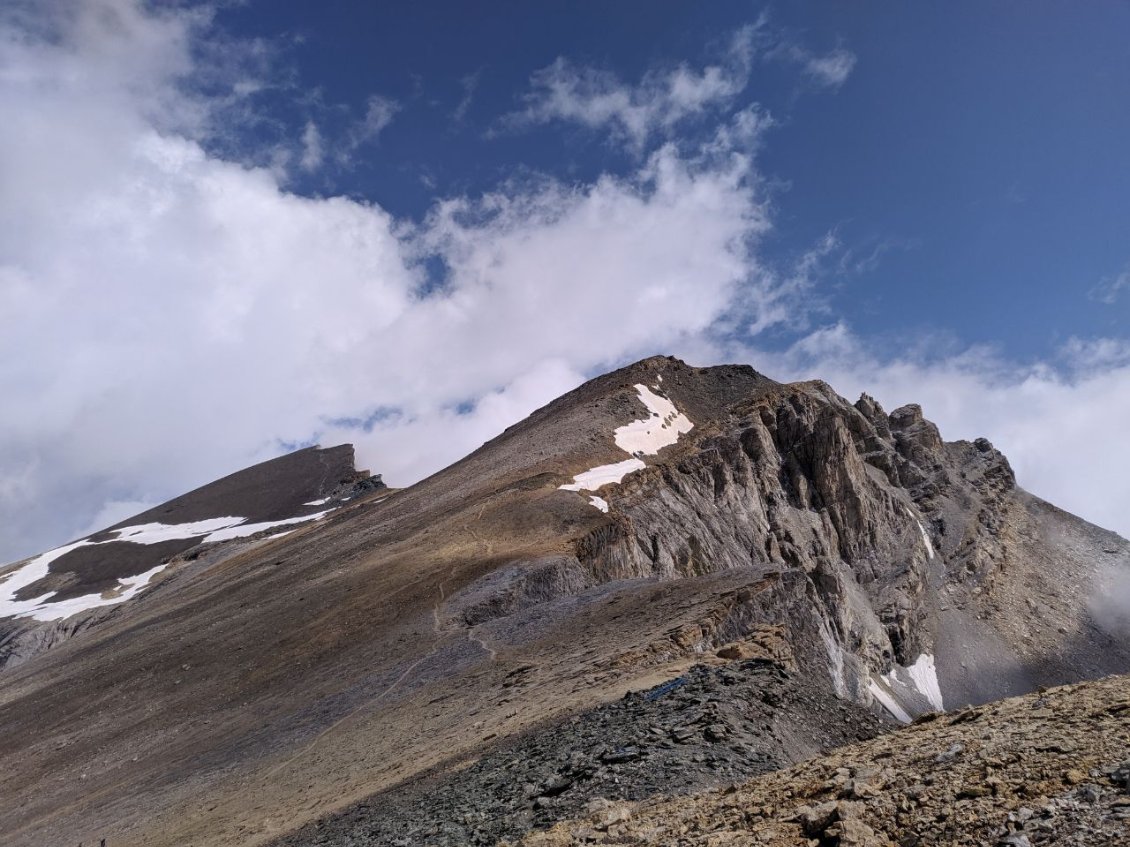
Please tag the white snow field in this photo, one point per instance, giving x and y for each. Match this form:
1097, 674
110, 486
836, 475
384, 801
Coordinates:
42, 609
650, 435
924, 677
641, 437
595, 478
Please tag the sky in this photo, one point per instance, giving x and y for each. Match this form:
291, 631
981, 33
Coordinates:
231, 229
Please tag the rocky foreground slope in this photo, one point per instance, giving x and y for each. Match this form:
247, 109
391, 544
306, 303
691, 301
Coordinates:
1051, 767
655, 515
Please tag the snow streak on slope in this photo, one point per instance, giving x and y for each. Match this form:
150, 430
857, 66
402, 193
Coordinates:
641, 437
43, 609
925, 535
593, 479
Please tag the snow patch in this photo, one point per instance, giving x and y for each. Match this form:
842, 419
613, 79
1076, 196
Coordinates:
321, 502
245, 529
599, 502
924, 675
650, 435
42, 609
592, 480
155, 533
645, 436
887, 701
921, 678
128, 587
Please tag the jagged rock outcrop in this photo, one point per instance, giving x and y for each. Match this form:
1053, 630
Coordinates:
885, 543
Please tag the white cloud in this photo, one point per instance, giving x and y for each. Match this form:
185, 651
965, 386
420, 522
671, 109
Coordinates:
167, 316
469, 84
664, 100
313, 153
379, 112
831, 69
1110, 288
661, 100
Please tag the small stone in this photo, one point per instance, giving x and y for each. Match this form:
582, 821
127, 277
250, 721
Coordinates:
815, 819
1089, 793
1074, 776
949, 755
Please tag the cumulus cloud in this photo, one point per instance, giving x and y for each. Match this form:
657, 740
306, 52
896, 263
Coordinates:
170, 315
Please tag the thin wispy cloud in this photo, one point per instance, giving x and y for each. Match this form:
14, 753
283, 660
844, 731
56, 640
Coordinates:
313, 153
379, 113
662, 101
830, 70
1111, 288
469, 84
635, 112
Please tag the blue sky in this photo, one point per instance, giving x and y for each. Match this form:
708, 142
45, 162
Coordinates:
227, 229
974, 158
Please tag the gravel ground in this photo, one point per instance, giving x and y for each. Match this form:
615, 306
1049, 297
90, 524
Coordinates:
707, 728
1051, 768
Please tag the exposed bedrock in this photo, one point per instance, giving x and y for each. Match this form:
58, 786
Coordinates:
898, 564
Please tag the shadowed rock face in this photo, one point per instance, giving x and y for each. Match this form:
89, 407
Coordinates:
263, 684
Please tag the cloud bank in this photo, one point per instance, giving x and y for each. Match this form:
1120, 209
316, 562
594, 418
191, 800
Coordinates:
170, 313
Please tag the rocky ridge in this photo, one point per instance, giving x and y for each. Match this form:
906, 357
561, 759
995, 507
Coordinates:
710, 726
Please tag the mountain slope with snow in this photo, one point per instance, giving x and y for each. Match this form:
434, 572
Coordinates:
655, 517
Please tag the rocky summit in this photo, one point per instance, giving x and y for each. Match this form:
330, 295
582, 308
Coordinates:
672, 580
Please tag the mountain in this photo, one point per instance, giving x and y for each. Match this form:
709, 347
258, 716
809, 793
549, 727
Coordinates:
76, 586
668, 578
